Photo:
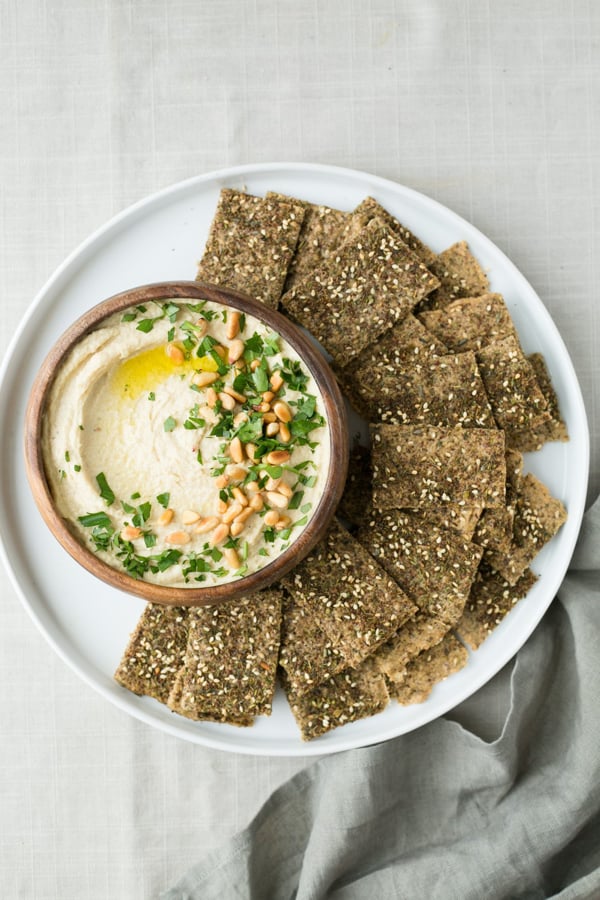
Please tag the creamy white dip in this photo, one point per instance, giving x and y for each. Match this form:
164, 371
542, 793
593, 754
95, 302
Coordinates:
150, 470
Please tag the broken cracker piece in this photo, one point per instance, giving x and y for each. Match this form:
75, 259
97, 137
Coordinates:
428, 669
460, 275
470, 323
417, 634
490, 600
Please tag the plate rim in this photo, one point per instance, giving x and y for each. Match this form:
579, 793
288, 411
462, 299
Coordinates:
77, 258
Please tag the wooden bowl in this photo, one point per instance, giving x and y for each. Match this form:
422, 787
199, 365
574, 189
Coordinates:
334, 410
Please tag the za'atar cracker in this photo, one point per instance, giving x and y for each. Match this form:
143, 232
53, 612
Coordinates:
230, 663
320, 234
432, 565
470, 323
460, 275
370, 209
425, 466
307, 654
155, 651
347, 697
428, 669
251, 243
354, 600
371, 282
492, 597
419, 633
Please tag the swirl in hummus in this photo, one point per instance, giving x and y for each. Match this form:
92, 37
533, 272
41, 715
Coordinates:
185, 442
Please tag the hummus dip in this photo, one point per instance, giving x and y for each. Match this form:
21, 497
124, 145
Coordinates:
185, 442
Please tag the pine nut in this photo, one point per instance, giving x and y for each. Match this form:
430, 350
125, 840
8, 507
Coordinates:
232, 511
206, 525
237, 474
203, 379
231, 557
221, 351
221, 482
235, 394
268, 396
256, 503
244, 515
269, 417
282, 411
271, 518
272, 429
272, 484
236, 348
239, 419
236, 451
285, 489
276, 381
252, 487
237, 528
278, 457
219, 534
263, 407
201, 327
283, 522
254, 365
130, 533
189, 517
178, 537
211, 397
221, 507
166, 517
285, 433
277, 500
240, 496
251, 452
227, 402
233, 324
175, 353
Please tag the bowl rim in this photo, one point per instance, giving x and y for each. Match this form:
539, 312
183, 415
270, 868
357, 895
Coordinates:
335, 411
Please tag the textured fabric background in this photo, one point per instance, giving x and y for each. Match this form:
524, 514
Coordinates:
493, 108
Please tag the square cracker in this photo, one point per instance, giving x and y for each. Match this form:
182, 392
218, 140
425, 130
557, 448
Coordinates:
460, 275
438, 390
491, 598
370, 209
250, 244
320, 234
420, 466
230, 661
347, 697
514, 393
432, 565
538, 517
470, 323
408, 339
307, 654
428, 669
461, 519
418, 634
371, 282
155, 651
351, 597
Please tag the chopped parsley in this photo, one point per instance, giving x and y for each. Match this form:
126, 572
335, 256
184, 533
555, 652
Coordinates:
106, 491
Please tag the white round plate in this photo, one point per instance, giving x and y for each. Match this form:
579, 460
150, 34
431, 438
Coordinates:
161, 239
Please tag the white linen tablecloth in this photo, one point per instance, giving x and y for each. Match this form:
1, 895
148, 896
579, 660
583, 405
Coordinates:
492, 108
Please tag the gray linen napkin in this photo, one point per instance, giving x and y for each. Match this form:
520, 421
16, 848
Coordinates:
440, 812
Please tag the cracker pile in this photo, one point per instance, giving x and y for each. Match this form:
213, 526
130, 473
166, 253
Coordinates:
438, 524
